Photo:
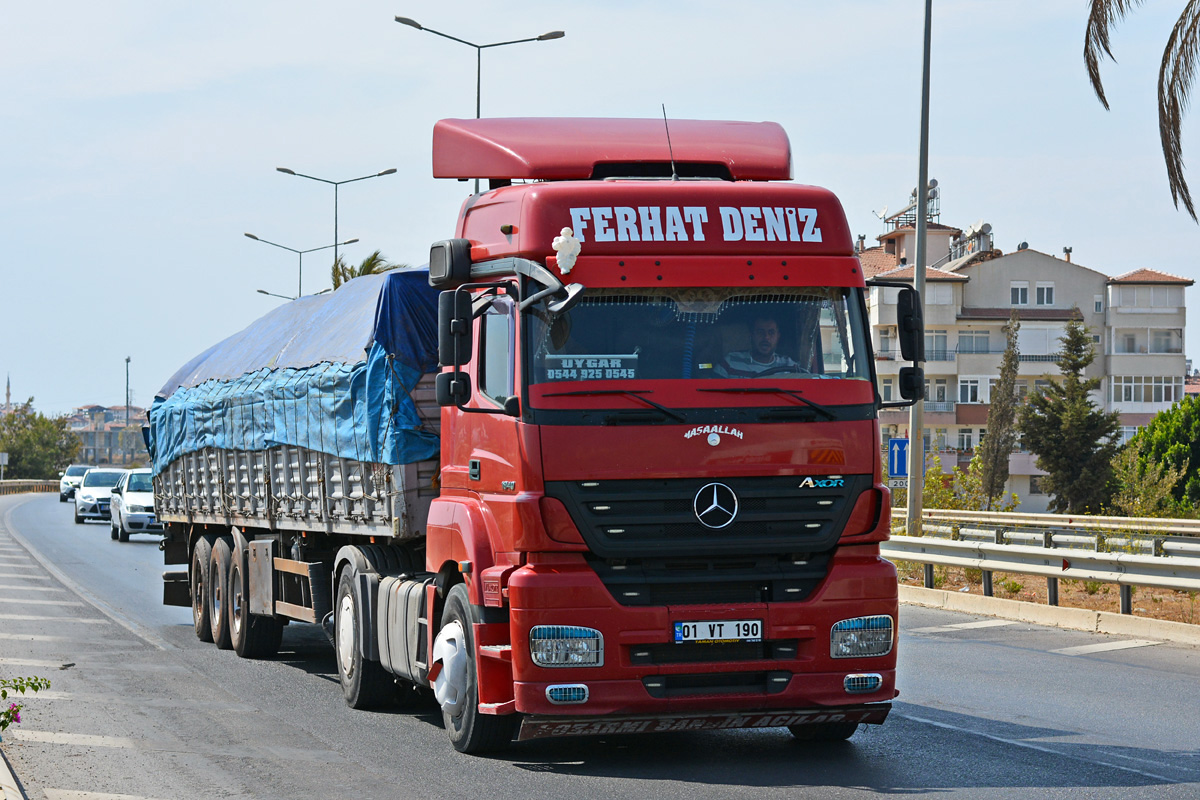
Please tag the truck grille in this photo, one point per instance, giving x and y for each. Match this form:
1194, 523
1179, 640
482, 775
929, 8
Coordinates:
656, 518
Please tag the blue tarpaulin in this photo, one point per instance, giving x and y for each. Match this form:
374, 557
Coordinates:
332, 373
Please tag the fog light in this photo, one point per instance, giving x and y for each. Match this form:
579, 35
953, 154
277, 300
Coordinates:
862, 682
566, 646
565, 694
861, 637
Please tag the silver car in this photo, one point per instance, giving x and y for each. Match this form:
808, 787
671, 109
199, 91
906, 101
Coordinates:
68, 481
92, 496
132, 506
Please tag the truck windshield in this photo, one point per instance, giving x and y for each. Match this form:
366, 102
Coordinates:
700, 334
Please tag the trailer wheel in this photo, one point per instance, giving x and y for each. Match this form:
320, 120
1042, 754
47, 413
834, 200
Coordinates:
824, 732
218, 592
253, 636
456, 684
365, 683
201, 557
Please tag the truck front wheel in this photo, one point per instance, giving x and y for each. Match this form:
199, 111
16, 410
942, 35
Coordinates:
455, 684
201, 556
365, 683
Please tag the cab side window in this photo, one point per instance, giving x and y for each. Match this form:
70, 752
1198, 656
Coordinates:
496, 350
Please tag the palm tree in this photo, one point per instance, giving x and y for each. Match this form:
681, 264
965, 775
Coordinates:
1175, 76
371, 265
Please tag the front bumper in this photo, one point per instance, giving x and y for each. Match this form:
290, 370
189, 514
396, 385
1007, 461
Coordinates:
645, 674
142, 522
97, 509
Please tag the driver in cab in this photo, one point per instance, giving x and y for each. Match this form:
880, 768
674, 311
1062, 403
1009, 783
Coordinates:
761, 357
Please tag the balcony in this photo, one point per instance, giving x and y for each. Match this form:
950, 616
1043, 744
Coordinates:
939, 406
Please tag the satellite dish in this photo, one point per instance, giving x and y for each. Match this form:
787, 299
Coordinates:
1023, 246
881, 214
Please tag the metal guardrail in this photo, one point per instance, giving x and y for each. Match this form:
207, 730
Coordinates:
20, 487
1127, 551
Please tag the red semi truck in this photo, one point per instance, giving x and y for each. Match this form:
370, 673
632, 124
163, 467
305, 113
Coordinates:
657, 503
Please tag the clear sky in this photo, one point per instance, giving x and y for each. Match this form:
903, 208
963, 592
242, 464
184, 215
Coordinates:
139, 141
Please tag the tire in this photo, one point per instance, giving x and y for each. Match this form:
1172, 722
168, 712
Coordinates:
78, 519
365, 683
122, 534
201, 558
253, 636
218, 592
62, 498
824, 732
456, 686
112, 530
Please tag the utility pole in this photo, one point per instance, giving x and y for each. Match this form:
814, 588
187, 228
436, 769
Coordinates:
125, 433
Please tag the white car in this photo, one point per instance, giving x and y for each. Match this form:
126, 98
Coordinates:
92, 496
132, 508
68, 481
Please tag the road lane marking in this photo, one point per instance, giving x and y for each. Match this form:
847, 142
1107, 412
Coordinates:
15, 565
1102, 647
158, 746
31, 588
1034, 746
33, 637
965, 626
25, 602
70, 794
30, 662
26, 577
35, 618
120, 700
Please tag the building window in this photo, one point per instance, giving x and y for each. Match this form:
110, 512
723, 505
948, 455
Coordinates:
935, 346
1126, 433
968, 390
1045, 294
1040, 386
1022, 389
1019, 292
887, 390
939, 391
1166, 296
1166, 341
1099, 301
886, 343
1035, 484
973, 341
966, 439
1145, 389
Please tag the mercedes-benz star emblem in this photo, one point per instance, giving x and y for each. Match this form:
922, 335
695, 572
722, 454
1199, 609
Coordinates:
715, 505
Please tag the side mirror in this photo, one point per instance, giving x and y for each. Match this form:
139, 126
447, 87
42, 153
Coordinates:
911, 325
116, 490
61, 473
449, 263
912, 382
452, 388
454, 328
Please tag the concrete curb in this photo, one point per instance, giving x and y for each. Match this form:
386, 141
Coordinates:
1079, 619
9, 788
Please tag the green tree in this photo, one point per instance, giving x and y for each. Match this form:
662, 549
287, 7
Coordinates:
37, 446
371, 265
1144, 486
1173, 438
958, 490
997, 446
1175, 75
1073, 439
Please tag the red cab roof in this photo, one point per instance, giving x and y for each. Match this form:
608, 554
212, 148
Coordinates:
533, 148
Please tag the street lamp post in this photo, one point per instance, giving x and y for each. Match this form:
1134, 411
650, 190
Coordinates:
300, 253
335, 185
125, 433
479, 48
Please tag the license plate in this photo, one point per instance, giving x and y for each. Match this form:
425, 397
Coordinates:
721, 630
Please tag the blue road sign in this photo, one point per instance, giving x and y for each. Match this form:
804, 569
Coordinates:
898, 458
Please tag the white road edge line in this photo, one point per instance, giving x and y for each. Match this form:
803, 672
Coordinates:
965, 626
69, 794
1037, 747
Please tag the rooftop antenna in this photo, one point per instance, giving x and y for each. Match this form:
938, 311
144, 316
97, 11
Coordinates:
670, 150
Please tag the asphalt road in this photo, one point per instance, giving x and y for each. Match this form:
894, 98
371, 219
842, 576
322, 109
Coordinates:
988, 709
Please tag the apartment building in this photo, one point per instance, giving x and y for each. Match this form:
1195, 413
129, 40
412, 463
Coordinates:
104, 436
1136, 322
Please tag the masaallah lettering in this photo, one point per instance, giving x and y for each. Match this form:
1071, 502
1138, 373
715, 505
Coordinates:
689, 223
706, 429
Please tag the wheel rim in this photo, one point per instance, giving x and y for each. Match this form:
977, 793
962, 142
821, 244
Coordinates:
216, 609
235, 599
345, 635
450, 686
198, 594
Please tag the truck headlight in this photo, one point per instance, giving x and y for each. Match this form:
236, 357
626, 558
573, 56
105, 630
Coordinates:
861, 637
566, 646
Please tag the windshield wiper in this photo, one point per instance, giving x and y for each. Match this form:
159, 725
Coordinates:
636, 394
828, 414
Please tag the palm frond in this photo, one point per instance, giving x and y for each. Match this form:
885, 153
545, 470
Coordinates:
1175, 78
1102, 18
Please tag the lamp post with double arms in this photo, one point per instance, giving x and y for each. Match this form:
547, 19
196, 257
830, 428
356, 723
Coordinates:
479, 48
300, 253
335, 185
